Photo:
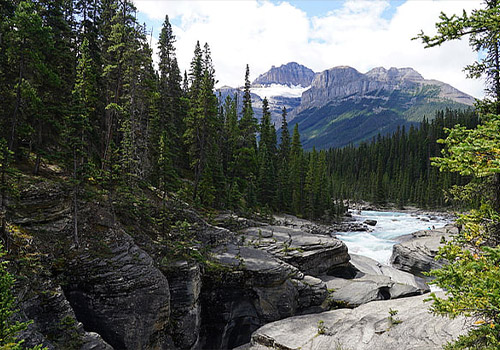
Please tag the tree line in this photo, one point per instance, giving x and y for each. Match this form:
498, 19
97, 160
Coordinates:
397, 168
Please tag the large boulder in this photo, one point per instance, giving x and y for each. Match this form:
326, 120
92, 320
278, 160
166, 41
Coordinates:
313, 254
372, 281
416, 253
370, 327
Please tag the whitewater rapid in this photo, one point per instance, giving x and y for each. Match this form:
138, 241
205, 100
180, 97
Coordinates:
378, 243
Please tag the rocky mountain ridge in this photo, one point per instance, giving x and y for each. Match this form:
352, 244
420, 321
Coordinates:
346, 82
341, 106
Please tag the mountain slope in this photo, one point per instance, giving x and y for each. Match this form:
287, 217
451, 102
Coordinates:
344, 106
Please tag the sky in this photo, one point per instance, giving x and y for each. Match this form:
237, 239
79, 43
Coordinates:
319, 34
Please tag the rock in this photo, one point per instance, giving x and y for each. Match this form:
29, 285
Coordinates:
249, 288
117, 292
184, 280
373, 281
54, 322
366, 327
416, 252
313, 254
370, 222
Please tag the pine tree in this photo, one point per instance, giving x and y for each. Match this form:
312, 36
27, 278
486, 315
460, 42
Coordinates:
283, 162
267, 146
297, 173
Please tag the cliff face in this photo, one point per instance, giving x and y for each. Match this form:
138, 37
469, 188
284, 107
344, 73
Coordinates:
344, 106
343, 82
291, 74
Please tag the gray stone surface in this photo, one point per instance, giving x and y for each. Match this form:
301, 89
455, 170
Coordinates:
313, 254
184, 281
416, 252
373, 281
364, 328
252, 287
118, 293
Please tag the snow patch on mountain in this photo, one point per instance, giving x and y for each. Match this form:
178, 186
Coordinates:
279, 90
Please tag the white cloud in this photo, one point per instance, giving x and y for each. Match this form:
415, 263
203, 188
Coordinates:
263, 34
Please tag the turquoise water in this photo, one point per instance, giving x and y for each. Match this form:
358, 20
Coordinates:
378, 243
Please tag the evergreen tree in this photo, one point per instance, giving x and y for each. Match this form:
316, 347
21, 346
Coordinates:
267, 147
297, 173
283, 162
471, 277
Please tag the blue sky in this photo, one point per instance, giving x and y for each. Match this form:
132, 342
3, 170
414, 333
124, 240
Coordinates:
320, 34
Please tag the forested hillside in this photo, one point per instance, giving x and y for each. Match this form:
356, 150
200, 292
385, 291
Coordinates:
397, 168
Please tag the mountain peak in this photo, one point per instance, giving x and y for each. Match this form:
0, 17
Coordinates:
395, 74
290, 74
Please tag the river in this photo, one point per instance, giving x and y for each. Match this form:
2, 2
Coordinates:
378, 243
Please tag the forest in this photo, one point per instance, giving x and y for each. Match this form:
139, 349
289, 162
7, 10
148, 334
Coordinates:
79, 89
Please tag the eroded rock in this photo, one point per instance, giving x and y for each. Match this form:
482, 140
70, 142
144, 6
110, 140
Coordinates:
117, 292
416, 252
372, 281
366, 327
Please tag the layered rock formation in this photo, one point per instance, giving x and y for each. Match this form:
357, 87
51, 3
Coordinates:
344, 106
416, 253
372, 281
291, 74
346, 82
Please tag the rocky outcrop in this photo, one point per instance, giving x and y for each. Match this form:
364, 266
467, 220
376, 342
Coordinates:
369, 327
266, 275
117, 292
247, 288
372, 281
416, 253
184, 280
292, 74
313, 254
55, 324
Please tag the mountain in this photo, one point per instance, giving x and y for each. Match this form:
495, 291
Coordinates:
282, 86
290, 74
344, 106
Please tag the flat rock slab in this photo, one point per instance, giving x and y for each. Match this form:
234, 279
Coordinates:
313, 254
416, 252
373, 281
366, 327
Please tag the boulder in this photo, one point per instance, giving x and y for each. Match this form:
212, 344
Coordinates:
416, 252
370, 222
372, 281
313, 254
369, 327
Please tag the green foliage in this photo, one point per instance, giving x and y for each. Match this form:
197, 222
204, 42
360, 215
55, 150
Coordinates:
471, 279
9, 329
393, 320
396, 168
321, 327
